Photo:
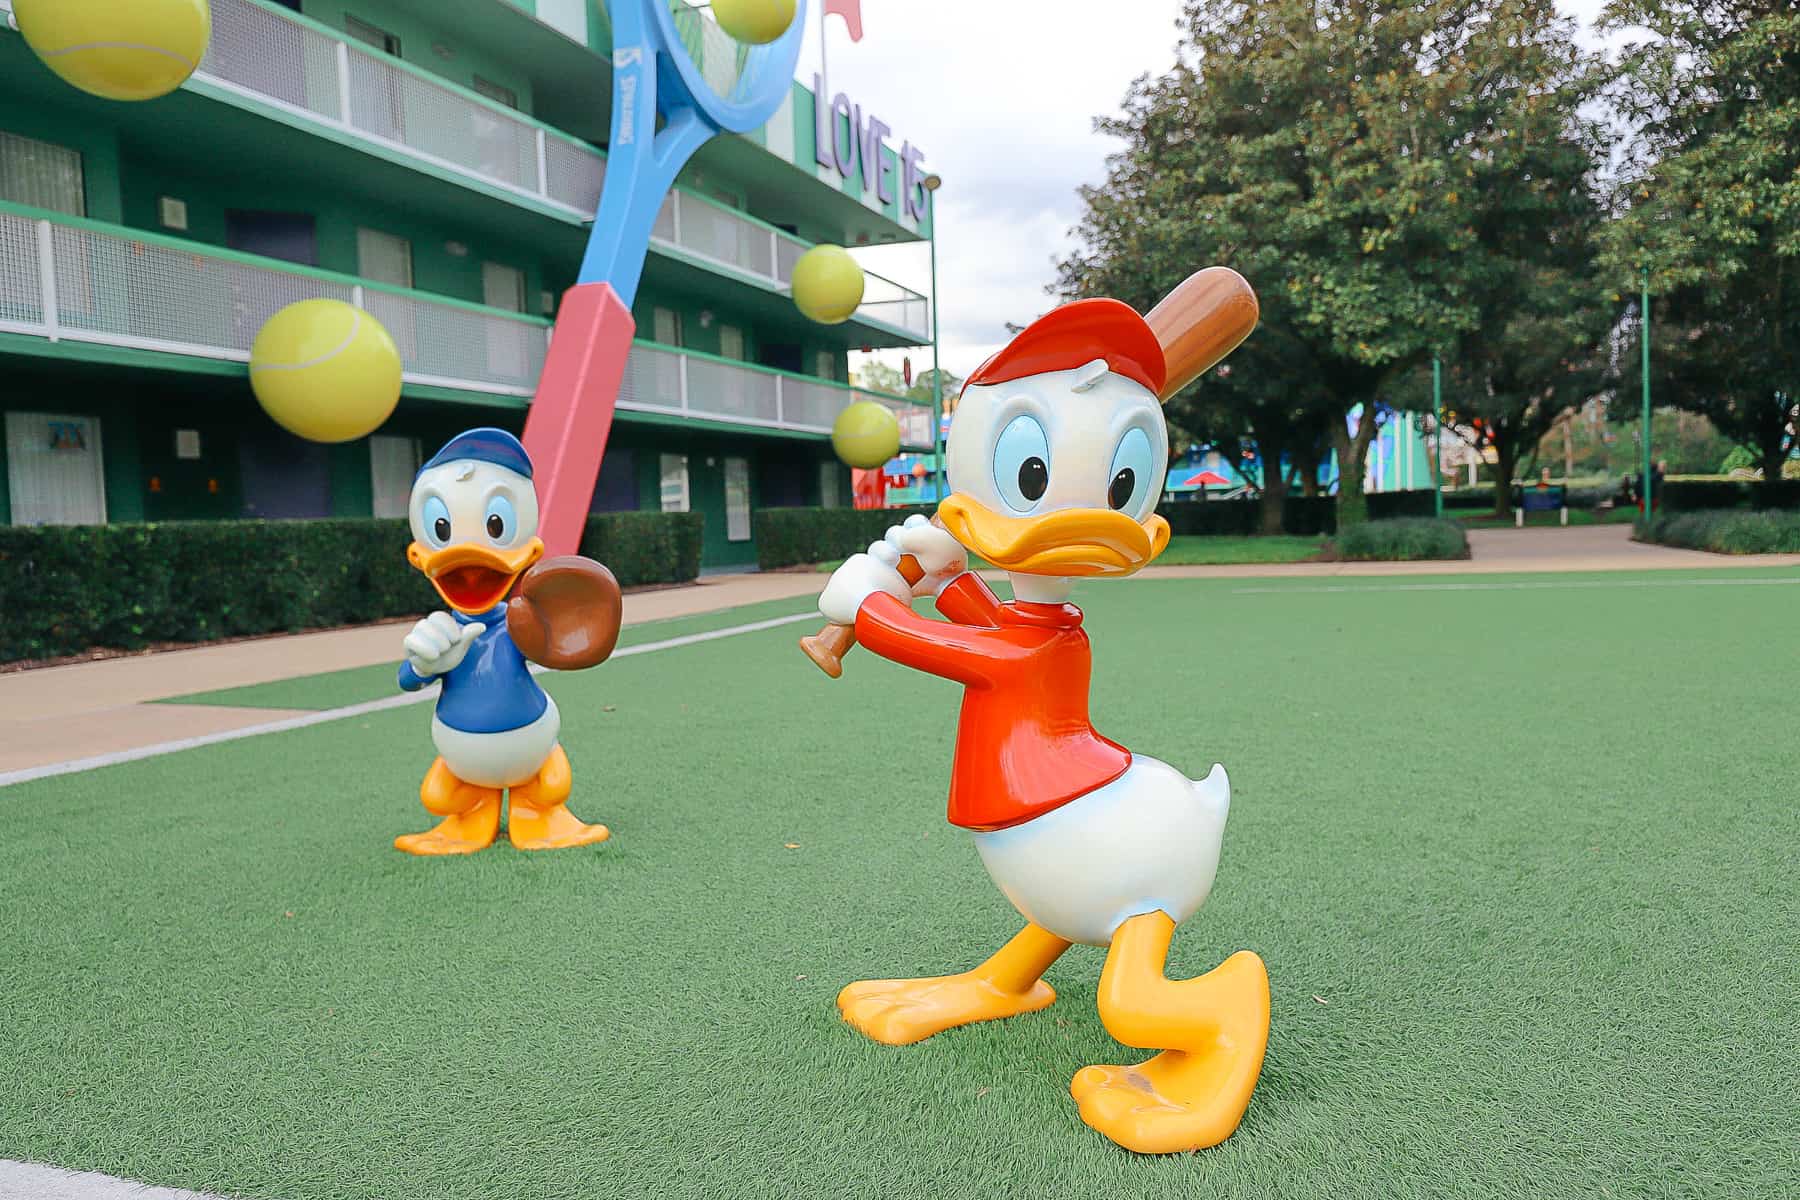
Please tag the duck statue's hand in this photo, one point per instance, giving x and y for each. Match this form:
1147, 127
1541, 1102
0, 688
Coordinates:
861, 576
940, 556
438, 643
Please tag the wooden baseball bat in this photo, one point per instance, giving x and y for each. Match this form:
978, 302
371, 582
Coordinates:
1206, 317
828, 646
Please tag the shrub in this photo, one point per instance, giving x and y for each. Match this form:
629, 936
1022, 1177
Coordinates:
1403, 539
1694, 495
1301, 516
67, 589
1416, 502
1725, 531
1697, 495
787, 537
1481, 496
645, 547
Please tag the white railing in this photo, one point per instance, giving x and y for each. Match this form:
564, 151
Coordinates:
660, 379
266, 55
75, 281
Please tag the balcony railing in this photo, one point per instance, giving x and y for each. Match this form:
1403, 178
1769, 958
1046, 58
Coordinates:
70, 279
271, 56
662, 379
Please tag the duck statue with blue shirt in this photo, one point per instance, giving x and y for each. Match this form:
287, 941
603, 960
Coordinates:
474, 517
1056, 457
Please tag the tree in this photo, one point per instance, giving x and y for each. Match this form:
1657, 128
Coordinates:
877, 376
1344, 155
1711, 207
1543, 351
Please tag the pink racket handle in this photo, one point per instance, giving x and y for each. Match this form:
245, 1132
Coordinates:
567, 427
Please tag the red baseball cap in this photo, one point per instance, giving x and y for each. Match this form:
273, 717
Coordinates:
1075, 335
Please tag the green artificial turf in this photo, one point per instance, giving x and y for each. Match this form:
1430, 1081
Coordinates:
353, 685
1519, 855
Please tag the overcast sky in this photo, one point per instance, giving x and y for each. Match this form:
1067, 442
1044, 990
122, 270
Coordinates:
1002, 97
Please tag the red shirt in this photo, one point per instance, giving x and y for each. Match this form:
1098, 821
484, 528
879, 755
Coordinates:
1024, 744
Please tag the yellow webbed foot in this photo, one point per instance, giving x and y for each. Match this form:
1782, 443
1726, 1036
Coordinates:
898, 1012
1191, 1096
471, 815
539, 818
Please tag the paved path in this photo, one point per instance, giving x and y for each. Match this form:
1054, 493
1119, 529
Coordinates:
30, 1181
1496, 551
59, 714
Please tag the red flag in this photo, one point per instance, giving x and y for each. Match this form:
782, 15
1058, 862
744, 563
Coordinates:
851, 11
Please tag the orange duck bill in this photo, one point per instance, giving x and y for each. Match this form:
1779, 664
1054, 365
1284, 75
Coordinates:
473, 578
1068, 542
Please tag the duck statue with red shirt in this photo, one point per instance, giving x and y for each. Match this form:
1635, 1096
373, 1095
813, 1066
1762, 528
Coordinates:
1056, 458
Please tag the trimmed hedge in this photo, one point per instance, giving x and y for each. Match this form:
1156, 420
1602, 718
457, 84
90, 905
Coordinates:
1696, 495
1725, 531
1403, 539
67, 589
1301, 516
1384, 506
788, 537
642, 548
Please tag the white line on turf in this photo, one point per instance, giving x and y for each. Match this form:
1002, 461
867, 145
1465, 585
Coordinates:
30, 1181
1516, 586
72, 766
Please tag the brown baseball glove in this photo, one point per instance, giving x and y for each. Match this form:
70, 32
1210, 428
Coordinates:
565, 613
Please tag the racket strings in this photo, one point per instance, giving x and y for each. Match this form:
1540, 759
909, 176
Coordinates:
722, 59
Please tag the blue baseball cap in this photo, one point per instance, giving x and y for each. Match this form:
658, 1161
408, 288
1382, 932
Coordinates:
488, 445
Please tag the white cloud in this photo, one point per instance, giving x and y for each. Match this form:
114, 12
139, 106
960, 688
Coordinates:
1001, 96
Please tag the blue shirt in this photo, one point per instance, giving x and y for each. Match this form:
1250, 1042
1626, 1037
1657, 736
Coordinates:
490, 690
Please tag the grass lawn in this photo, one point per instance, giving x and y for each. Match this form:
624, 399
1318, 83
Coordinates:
1220, 550
1555, 961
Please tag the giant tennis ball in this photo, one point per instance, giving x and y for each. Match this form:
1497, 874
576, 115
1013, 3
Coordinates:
827, 284
758, 22
118, 49
866, 434
325, 371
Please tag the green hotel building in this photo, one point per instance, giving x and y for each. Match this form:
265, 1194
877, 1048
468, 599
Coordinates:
436, 163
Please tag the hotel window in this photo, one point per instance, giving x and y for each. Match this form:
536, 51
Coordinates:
567, 17
393, 463
665, 326
41, 175
737, 499
55, 474
384, 258
502, 287
825, 365
499, 93
731, 342
674, 483
831, 485
372, 35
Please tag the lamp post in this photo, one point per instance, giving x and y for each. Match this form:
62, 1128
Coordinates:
1644, 437
1437, 434
931, 184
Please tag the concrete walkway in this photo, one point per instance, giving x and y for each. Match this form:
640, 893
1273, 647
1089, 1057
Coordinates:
1499, 551
58, 714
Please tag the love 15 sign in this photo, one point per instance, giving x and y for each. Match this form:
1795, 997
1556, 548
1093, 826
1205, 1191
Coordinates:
847, 141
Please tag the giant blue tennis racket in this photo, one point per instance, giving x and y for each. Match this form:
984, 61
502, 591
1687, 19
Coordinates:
669, 60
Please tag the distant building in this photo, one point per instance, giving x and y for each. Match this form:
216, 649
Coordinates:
437, 164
